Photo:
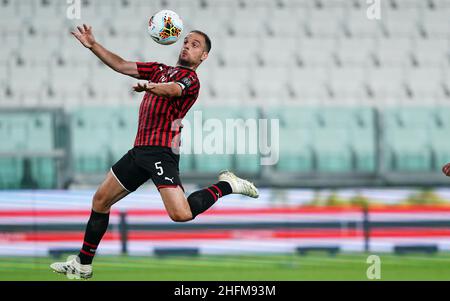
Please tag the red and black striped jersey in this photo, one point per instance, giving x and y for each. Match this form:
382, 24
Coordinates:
160, 117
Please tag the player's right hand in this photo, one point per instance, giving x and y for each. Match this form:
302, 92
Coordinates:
84, 35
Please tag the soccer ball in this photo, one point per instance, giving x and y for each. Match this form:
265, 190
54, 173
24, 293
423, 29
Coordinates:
165, 27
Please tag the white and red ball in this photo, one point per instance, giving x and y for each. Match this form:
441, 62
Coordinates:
165, 27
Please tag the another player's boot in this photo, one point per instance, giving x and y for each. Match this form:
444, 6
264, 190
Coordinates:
238, 185
73, 268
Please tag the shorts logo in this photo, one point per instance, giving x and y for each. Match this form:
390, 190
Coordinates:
169, 179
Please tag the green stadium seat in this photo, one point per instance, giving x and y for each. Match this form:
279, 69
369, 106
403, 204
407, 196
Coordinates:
213, 163
40, 128
124, 123
295, 153
91, 139
332, 150
362, 142
235, 125
32, 132
338, 117
44, 172
10, 173
442, 116
440, 144
410, 117
294, 117
186, 163
408, 149
247, 163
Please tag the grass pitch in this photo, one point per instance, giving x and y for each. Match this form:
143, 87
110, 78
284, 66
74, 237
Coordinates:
223, 268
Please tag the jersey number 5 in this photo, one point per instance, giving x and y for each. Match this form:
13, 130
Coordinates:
159, 168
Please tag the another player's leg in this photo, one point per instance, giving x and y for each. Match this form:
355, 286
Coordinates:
182, 209
446, 169
109, 192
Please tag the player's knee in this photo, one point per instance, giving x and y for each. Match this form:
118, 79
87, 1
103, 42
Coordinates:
100, 202
180, 216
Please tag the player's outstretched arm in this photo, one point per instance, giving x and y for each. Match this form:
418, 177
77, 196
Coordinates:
161, 89
86, 37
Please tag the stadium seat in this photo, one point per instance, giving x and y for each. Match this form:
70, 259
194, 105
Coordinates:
394, 52
304, 117
406, 154
386, 84
10, 173
239, 51
124, 122
295, 151
425, 82
363, 148
442, 114
309, 86
402, 23
434, 23
357, 25
245, 24
325, 23
231, 84
440, 146
91, 155
332, 150
316, 52
30, 132
354, 52
347, 83
270, 84
284, 23
431, 52
278, 52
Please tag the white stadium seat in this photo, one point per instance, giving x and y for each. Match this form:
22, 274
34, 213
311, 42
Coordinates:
394, 52
431, 52
387, 84
316, 51
309, 84
328, 49
348, 83
401, 23
355, 52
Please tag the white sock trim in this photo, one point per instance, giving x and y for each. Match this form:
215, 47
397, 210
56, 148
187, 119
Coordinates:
119, 180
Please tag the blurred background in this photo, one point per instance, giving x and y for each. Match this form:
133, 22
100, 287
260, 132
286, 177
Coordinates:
364, 113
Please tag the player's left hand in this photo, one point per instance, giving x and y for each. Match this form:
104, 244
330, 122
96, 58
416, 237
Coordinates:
143, 87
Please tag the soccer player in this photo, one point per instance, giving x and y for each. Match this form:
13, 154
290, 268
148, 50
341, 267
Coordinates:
169, 93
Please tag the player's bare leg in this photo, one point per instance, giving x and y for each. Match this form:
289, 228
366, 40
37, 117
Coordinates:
107, 194
182, 209
176, 204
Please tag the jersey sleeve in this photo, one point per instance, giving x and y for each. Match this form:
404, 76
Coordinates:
189, 84
146, 69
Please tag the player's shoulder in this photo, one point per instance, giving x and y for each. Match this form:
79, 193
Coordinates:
185, 71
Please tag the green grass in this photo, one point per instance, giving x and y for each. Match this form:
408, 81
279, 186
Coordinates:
257, 267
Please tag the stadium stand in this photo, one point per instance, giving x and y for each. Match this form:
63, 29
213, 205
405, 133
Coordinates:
321, 66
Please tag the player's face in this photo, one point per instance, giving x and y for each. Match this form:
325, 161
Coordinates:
193, 51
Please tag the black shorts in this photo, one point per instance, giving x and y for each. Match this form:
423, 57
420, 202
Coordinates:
148, 162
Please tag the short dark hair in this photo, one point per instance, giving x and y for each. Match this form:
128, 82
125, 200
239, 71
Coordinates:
207, 39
